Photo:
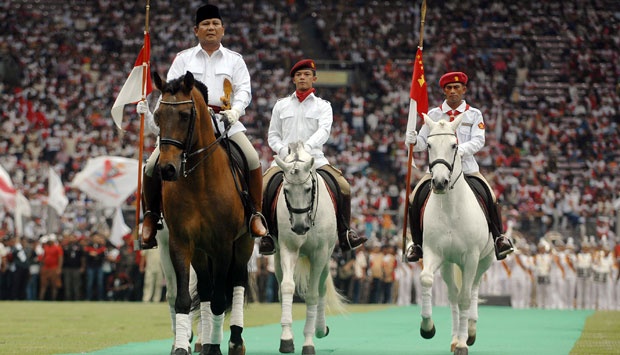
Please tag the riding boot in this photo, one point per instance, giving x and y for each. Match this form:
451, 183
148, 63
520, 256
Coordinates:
257, 220
503, 245
414, 251
151, 194
347, 237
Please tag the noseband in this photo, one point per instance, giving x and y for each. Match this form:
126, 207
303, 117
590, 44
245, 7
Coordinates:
185, 147
449, 165
308, 209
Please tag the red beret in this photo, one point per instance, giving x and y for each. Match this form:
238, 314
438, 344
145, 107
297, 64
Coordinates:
453, 77
303, 64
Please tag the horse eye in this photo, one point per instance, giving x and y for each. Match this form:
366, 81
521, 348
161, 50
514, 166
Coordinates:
308, 190
428, 146
185, 115
455, 146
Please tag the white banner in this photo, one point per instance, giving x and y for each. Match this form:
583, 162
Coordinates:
57, 198
119, 228
108, 179
7, 190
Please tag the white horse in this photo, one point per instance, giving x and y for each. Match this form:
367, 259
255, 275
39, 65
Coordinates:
456, 238
163, 242
306, 239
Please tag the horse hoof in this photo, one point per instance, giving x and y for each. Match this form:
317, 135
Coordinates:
461, 351
287, 346
320, 334
308, 350
427, 334
471, 340
211, 349
236, 349
180, 351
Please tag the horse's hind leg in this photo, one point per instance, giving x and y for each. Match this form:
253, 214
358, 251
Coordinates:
447, 273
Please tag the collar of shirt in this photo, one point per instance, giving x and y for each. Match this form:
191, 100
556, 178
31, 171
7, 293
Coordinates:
445, 108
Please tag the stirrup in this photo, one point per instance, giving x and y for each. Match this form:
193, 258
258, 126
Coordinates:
263, 220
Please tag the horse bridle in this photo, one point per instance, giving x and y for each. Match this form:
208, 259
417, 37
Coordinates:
185, 147
308, 209
449, 165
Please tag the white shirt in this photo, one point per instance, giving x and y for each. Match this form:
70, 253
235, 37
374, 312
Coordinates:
470, 133
309, 121
211, 71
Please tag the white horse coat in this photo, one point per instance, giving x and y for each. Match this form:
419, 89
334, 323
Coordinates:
456, 238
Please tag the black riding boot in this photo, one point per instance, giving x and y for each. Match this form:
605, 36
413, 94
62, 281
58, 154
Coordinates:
503, 245
347, 237
414, 252
151, 200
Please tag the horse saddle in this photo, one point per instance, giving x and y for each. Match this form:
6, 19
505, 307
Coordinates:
272, 192
476, 184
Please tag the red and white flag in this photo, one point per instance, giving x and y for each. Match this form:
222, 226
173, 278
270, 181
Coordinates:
57, 199
108, 179
418, 93
8, 193
132, 91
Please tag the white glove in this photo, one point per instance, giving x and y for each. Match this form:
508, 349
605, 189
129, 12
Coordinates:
143, 107
230, 117
411, 137
308, 148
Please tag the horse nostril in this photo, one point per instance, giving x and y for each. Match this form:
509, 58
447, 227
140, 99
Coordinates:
169, 172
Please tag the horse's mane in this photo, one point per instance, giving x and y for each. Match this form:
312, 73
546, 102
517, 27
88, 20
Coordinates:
175, 85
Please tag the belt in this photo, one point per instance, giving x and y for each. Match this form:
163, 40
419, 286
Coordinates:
217, 109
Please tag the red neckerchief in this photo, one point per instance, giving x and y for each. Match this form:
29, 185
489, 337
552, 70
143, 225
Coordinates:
301, 95
454, 113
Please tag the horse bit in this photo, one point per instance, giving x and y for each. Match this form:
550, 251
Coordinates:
450, 166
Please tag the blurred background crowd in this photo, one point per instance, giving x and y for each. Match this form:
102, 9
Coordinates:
545, 75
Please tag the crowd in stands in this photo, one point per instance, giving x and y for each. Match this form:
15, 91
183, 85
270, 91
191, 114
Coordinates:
545, 76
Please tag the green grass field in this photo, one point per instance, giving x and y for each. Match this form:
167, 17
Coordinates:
78, 327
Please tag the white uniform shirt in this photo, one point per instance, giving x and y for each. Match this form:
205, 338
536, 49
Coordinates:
309, 121
470, 133
211, 71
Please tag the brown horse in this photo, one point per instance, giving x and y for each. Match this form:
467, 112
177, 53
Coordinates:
203, 209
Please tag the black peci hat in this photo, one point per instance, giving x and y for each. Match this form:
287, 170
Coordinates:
206, 12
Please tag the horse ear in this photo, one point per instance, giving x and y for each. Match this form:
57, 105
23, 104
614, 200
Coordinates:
188, 81
457, 121
428, 121
159, 83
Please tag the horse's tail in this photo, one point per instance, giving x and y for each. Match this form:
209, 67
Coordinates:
334, 301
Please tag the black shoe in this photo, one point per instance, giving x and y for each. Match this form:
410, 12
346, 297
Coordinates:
351, 241
414, 253
266, 245
503, 247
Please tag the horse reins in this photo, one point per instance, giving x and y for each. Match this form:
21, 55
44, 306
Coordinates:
190, 133
450, 166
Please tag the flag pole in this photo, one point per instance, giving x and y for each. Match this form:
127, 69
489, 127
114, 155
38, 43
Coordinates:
410, 150
145, 72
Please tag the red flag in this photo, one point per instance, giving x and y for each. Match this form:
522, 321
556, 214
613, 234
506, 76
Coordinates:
418, 94
132, 91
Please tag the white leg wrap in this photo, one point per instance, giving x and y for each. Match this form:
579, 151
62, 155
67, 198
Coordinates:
287, 309
184, 326
205, 320
310, 320
320, 317
236, 315
217, 332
